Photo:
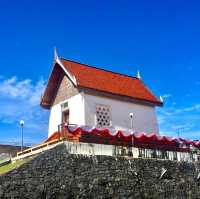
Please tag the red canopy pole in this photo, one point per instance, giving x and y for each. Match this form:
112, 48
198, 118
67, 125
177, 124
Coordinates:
132, 139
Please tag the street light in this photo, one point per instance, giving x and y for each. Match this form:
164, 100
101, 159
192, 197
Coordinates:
132, 139
22, 131
131, 116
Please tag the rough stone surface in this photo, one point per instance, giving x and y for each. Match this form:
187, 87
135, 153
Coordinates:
57, 174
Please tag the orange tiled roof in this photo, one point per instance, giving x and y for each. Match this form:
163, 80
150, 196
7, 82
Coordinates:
107, 81
100, 80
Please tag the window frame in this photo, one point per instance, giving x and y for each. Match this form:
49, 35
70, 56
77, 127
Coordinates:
65, 109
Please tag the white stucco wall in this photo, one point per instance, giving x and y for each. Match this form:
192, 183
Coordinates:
76, 113
144, 119
55, 118
82, 111
77, 110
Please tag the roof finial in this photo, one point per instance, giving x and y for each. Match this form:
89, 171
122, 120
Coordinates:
138, 74
55, 54
161, 99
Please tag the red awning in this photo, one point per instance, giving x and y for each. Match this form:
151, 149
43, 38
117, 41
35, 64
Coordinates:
140, 140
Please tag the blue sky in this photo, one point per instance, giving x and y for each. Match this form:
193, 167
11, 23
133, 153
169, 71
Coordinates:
160, 38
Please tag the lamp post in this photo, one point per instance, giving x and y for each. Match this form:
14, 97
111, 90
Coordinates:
131, 116
22, 133
132, 140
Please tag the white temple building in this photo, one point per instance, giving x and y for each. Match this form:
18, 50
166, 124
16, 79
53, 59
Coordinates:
80, 94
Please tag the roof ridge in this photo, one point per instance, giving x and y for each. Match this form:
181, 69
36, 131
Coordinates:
106, 70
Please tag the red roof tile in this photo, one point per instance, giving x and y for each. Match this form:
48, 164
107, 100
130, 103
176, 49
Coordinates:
107, 81
100, 80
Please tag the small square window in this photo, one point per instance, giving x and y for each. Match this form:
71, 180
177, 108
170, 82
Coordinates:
103, 116
64, 106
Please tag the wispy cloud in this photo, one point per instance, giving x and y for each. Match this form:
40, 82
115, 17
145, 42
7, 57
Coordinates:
165, 96
174, 120
12, 88
20, 99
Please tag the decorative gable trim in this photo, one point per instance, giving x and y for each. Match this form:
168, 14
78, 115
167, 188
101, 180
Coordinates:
53, 83
72, 77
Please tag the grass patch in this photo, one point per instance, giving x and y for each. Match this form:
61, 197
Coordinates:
8, 167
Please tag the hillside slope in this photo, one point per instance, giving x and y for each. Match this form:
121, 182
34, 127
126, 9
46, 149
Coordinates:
11, 149
57, 174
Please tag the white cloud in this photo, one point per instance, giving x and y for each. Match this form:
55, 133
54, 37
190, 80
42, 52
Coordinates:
165, 96
195, 107
19, 99
37, 93
185, 120
12, 88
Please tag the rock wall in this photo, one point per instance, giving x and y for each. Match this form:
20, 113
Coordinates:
57, 174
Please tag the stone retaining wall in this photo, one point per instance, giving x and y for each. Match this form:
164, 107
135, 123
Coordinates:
58, 174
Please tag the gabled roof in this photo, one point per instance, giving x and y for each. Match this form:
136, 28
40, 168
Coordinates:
89, 77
